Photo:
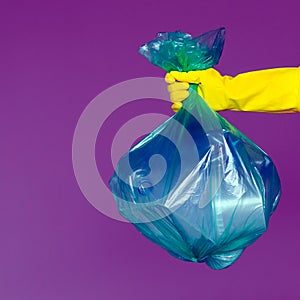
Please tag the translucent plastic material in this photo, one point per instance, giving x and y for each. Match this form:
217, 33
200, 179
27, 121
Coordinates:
178, 51
197, 186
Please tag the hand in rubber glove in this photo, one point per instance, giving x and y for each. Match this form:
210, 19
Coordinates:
210, 87
273, 90
178, 91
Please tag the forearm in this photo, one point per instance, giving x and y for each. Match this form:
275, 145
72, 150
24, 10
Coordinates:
273, 90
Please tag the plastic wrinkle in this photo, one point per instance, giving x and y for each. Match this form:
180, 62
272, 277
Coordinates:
196, 186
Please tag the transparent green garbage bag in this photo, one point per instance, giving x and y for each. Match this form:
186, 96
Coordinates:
196, 186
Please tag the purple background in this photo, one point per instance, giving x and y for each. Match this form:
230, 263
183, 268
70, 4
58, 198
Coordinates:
55, 57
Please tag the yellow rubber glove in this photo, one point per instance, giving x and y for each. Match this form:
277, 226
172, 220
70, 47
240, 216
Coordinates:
273, 90
178, 91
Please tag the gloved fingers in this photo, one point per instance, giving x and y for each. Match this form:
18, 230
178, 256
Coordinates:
178, 86
191, 77
169, 78
176, 106
179, 96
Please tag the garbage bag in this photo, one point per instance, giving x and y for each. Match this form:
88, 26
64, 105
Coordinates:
196, 185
